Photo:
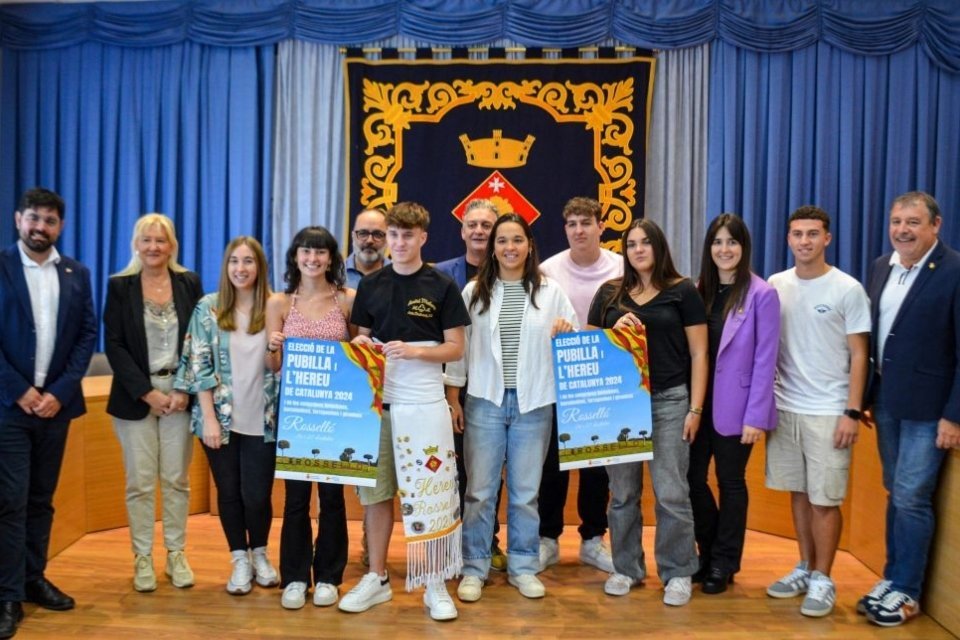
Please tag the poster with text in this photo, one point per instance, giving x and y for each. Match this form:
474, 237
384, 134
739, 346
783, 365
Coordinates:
603, 398
331, 400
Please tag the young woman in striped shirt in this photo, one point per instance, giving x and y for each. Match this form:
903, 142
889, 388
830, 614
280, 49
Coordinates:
514, 313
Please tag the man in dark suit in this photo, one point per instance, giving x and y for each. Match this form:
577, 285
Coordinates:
479, 216
47, 335
915, 302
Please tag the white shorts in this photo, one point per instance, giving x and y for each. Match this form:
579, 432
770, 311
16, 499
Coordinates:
801, 458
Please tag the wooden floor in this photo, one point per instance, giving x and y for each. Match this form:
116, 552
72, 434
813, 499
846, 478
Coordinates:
97, 572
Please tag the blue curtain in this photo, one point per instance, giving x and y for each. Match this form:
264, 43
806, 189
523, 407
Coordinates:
184, 129
167, 105
842, 131
877, 27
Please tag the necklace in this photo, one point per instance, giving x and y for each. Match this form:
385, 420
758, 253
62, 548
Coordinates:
332, 292
157, 286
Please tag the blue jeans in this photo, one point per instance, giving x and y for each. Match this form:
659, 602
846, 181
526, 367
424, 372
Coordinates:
911, 465
493, 434
674, 544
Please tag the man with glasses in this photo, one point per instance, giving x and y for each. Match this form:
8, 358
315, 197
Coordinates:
369, 243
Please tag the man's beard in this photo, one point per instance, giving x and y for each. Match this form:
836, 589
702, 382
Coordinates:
38, 242
369, 256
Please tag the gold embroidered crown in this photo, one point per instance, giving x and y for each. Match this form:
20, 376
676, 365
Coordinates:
497, 152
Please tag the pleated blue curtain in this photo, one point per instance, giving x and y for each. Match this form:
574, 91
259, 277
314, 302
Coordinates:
874, 27
839, 102
843, 131
182, 129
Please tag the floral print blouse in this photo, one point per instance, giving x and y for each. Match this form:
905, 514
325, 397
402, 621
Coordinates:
205, 365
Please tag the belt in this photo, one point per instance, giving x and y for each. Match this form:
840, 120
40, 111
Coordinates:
163, 373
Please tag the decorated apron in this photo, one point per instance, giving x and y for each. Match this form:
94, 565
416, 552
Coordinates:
426, 469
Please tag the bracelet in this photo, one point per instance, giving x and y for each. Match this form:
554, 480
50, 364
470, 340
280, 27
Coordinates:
696, 410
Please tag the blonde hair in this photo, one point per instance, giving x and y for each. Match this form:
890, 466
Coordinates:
165, 224
227, 301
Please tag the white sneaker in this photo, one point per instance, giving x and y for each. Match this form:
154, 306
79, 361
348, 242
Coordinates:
439, 602
549, 552
241, 579
470, 589
619, 585
677, 592
876, 595
793, 584
264, 571
821, 596
596, 553
370, 591
144, 578
294, 595
528, 584
181, 575
325, 595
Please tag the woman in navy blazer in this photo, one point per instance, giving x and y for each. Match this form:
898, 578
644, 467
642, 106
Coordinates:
145, 318
744, 330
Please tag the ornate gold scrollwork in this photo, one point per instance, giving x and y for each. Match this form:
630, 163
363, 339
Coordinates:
600, 108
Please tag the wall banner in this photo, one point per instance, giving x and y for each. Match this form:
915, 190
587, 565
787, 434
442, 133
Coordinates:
527, 134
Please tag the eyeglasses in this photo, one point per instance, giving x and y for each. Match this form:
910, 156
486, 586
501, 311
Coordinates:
363, 234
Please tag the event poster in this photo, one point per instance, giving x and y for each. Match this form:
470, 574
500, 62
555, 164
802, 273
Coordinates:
331, 400
603, 397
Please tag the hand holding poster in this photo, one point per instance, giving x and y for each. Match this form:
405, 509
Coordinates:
603, 397
331, 401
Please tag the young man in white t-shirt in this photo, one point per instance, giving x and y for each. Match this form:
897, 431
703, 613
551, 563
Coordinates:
821, 374
579, 270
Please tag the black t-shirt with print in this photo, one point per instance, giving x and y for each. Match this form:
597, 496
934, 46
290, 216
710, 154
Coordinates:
665, 317
411, 308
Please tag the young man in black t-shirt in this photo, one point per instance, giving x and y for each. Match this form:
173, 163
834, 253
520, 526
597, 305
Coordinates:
416, 316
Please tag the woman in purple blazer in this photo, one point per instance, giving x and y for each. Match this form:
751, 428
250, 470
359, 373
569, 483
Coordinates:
743, 327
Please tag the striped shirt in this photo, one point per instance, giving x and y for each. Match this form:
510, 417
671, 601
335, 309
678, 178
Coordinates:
511, 317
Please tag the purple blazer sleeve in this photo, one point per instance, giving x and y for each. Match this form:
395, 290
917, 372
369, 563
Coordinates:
746, 362
761, 409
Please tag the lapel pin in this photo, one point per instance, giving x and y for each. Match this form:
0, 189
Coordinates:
932, 266
69, 270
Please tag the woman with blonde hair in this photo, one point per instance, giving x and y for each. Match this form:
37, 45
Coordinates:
145, 319
235, 412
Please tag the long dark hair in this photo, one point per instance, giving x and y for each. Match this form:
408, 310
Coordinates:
314, 238
490, 268
709, 276
664, 276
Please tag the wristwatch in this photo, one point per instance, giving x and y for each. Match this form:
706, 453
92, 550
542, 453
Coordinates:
853, 414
